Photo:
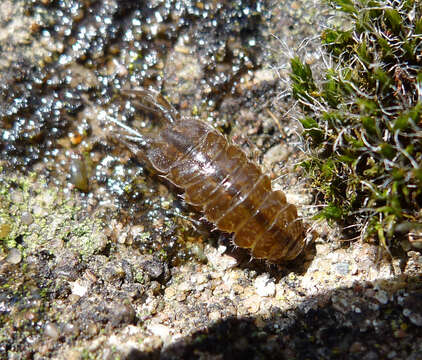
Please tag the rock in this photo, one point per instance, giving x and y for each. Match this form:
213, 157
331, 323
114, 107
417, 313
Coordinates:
153, 267
252, 303
113, 271
381, 296
264, 285
78, 288
122, 313
79, 175
220, 262
14, 256
52, 331
342, 268
27, 218
161, 331
276, 154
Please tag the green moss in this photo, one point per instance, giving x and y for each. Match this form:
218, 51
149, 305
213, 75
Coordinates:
139, 277
57, 222
87, 354
363, 120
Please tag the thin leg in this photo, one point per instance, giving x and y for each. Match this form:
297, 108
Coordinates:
254, 152
157, 101
139, 105
157, 109
136, 148
139, 141
136, 135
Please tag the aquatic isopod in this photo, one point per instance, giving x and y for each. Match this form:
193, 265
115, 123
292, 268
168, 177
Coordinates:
217, 177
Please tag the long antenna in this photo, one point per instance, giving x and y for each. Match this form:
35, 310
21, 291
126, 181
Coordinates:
127, 128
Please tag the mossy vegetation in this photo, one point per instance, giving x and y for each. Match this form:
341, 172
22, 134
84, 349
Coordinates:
56, 221
363, 119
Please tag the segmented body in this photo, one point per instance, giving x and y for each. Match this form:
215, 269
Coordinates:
217, 177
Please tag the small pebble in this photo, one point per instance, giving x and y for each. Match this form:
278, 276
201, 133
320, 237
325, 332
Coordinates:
221, 262
392, 355
39, 211
264, 285
16, 197
161, 331
276, 154
197, 250
26, 218
199, 278
252, 303
122, 313
184, 286
400, 334
79, 175
381, 296
73, 355
214, 316
121, 239
357, 347
155, 287
371, 355
70, 329
259, 322
181, 297
414, 317
153, 267
92, 329
222, 249
342, 268
52, 331
169, 293
78, 288
14, 256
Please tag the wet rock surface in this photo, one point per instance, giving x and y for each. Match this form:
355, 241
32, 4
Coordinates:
101, 259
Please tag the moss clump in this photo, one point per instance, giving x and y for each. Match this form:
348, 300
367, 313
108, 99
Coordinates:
363, 119
57, 222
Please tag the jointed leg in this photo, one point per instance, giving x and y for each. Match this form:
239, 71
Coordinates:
136, 135
156, 100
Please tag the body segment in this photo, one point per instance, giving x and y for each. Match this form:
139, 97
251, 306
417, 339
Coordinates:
217, 177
